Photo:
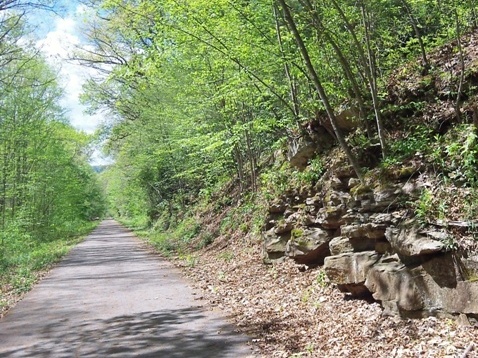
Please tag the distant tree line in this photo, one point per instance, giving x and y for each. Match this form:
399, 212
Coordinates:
47, 188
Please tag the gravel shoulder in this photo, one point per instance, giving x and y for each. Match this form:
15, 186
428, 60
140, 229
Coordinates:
112, 297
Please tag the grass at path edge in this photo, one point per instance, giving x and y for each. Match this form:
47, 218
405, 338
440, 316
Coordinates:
25, 262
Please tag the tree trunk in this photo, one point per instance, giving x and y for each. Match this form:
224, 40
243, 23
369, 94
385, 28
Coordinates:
418, 34
369, 68
373, 80
292, 84
345, 66
320, 89
462, 67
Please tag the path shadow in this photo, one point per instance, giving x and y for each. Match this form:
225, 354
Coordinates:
176, 333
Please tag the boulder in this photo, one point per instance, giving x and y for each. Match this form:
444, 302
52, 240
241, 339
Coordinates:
471, 264
283, 227
353, 182
383, 247
315, 201
336, 183
363, 201
340, 245
436, 235
352, 217
293, 218
362, 192
387, 197
435, 287
412, 188
331, 217
277, 207
308, 220
301, 150
344, 244
369, 250
335, 198
349, 271
274, 246
398, 216
344, 172
368, 230
309, 246
288, 212
348, 118
307, 145
443, 288
394, 286
409, 242
382, 218
462, 299
301, 218
269, 224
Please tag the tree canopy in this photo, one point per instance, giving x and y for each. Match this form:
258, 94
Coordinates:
47, 188
204, 91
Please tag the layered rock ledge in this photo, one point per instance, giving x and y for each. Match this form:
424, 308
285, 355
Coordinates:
371, 246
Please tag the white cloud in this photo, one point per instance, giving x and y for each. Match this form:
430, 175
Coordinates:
57, 46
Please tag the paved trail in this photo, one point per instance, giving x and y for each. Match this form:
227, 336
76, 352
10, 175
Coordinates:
112, 298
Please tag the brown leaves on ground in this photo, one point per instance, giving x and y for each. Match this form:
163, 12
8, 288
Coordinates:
289, 313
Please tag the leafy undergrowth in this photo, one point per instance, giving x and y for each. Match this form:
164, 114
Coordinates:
24, 262
290, 313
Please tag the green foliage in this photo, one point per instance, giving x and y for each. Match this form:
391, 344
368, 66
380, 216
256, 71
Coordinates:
418, 140
275, 182
312, 173
456, 155
430, 206
322, 279
425, 206
206, 238
203, 92
297, 233
176, 239
48, 192
467, 155
24, 258
227, 256
450, 244
189, 260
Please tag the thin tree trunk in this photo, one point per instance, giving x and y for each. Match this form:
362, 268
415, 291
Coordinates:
239, 166
251, 160
367, 62
462, 67
292, 85
418, 34
320, 89
345, 66
4, 185
373, 80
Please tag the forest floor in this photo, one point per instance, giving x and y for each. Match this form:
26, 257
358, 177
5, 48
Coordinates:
292, 312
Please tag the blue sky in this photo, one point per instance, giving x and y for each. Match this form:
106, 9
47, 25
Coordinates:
45, 20
57, 37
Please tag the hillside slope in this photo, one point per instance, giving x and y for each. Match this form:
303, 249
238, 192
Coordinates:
291, 306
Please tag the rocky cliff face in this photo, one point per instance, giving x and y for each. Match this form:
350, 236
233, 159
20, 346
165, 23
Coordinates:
370, 245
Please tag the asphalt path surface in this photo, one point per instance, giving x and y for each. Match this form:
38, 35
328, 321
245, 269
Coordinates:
111, 297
